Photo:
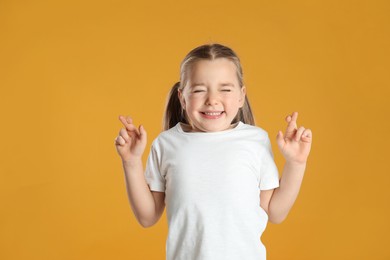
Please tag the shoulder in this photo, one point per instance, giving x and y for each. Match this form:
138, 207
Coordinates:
256, 131
165, 137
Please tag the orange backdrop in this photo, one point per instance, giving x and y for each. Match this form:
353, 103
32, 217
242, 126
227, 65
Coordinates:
69, 68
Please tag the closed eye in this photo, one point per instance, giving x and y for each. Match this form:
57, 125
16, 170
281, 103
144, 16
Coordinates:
226, 90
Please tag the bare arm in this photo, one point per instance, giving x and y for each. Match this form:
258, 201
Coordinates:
147, 205
278, 202
295, 146
130, 143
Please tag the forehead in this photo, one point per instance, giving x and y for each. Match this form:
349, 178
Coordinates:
218, 69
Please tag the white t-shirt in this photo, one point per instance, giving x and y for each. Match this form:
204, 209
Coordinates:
212, 183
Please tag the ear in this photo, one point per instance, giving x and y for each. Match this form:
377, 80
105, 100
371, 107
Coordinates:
242, 96
181, 98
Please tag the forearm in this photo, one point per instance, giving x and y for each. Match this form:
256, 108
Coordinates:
139, 194
285, 195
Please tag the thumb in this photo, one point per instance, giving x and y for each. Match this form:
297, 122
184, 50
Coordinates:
142, 133
280, 139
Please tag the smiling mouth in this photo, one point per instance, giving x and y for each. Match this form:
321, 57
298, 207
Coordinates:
212, 113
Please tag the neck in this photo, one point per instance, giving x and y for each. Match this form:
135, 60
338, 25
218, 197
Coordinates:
190, 128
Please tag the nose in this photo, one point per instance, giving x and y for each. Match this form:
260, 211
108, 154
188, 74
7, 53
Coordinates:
212, 99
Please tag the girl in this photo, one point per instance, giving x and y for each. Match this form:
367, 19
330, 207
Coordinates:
211, 166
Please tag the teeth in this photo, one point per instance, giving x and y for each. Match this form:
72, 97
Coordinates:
213, 114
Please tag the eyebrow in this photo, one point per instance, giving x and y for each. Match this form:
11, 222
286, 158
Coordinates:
227, 84
222, 84
197, 84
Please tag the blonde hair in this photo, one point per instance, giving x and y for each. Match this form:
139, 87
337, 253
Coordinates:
174, 112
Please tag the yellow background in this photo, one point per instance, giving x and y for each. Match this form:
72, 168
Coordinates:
69, 68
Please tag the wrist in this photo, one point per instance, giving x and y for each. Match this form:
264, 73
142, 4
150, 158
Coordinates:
296, 164
133, 162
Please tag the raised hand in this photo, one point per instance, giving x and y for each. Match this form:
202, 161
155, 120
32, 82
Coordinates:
131, 142
295, 144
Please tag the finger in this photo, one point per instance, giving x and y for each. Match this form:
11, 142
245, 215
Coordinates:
125, 135
142, 131
280, 139
119, 141
307, 135
299, 133
129, 120
143, 135
292, 125
292, 119
128, 123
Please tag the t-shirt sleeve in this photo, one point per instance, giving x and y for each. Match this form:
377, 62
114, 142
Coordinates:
153, 175
269, 175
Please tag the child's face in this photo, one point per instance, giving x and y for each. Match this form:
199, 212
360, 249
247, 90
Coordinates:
212, 96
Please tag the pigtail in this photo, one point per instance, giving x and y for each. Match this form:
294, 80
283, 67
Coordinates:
245, 114
173, 111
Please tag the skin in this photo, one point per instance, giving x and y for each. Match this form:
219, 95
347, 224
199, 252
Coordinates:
212, 87
214, 95
295, 145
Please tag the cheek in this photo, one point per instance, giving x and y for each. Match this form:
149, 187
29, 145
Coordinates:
193, 100
233, 100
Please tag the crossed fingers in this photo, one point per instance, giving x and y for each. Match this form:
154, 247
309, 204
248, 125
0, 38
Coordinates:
295, 133
292, 125
128, 123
